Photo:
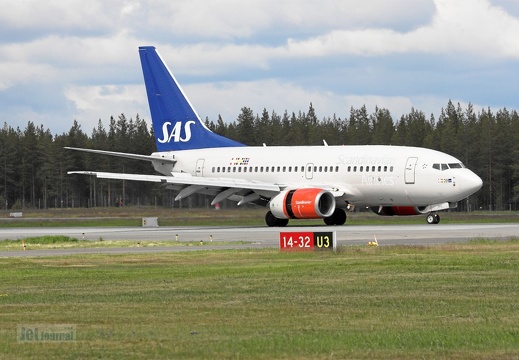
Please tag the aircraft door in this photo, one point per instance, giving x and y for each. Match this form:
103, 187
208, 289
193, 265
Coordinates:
199, 171
410, 166
309, 171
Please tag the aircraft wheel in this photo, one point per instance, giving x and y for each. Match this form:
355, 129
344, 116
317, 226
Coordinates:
338, 218
329, 220
282, 222
272, 221
436, 218
433, 219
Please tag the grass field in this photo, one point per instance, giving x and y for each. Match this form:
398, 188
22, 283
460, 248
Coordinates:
63, 242
132, 216
451, 301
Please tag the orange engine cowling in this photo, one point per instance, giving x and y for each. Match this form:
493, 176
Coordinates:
304, 203
396, 210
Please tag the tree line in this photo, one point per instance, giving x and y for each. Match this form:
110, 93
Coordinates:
34, 163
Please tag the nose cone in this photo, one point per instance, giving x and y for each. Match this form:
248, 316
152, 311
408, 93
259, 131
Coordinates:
471, 183
479, 183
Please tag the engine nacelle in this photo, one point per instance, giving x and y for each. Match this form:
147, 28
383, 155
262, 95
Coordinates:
304, 203
396, 210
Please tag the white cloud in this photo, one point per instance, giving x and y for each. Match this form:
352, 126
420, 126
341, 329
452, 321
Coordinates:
273, 54
455, 29
101, 102
235, 19
472, 27
12, 73
55, 15
227, 99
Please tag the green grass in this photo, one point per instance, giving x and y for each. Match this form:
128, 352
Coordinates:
61, 242
449, 301
132, 216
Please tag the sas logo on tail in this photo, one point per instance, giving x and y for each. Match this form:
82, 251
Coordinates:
176, 132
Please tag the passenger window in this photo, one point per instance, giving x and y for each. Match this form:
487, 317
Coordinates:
385, 168
349, 168
354, 169
379, 168
391, 169
361, 169
337, 168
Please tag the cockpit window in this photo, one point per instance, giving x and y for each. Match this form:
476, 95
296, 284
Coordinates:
448, 166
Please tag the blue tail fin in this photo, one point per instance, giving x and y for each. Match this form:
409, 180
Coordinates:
176, 124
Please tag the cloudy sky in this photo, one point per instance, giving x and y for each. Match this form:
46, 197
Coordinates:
66, 60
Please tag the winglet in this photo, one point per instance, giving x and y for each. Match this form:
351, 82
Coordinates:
176, 124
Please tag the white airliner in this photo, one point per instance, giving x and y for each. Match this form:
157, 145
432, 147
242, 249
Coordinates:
293, 182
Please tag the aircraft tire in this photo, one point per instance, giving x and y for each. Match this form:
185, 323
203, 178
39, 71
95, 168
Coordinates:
273, 221
338, 218
270, 219
433, 218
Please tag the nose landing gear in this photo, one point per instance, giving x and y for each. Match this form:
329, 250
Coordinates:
433, 218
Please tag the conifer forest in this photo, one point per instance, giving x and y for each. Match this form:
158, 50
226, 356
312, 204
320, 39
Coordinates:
34, 163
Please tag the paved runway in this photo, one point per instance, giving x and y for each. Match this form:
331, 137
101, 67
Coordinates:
254, 237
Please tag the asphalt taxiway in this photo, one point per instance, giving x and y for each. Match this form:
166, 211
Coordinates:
210, 238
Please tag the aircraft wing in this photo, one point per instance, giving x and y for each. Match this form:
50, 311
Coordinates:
240, 190
224, 187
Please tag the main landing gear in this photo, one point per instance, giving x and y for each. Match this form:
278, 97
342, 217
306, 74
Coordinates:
271, 220
433, 218
338, 218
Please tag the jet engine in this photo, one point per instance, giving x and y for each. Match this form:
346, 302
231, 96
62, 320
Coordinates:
304, 203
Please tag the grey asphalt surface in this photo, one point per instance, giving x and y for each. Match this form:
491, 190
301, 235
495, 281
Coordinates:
189, 238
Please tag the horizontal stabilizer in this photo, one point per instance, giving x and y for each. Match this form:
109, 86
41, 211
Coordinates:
126, 155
